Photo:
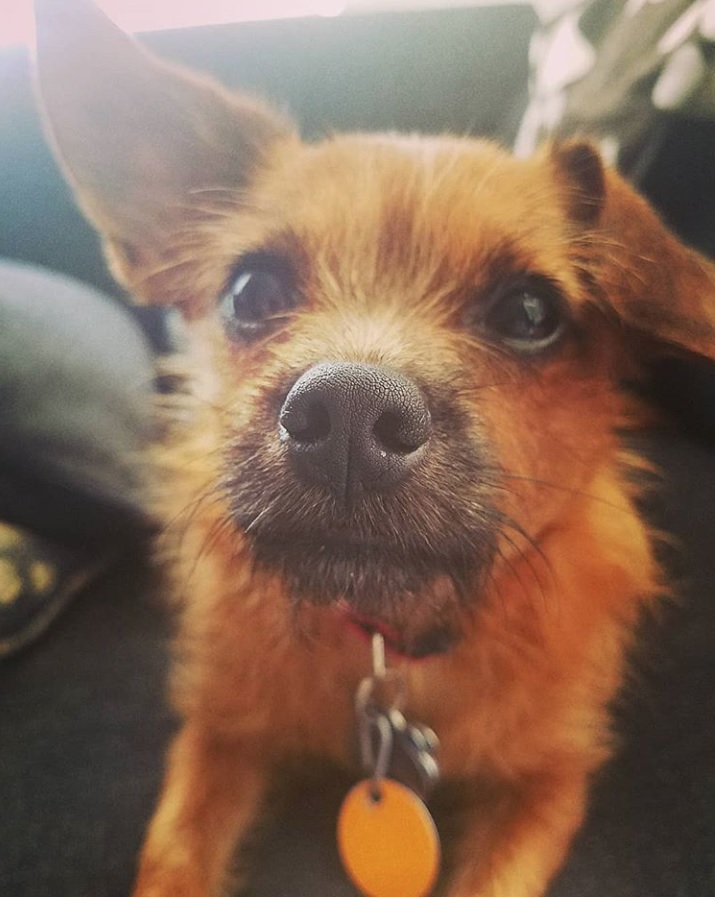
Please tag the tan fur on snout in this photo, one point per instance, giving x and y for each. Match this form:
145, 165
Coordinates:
397, 248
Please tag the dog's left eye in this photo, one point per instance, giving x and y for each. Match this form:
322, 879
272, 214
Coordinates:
255, 298
527, 319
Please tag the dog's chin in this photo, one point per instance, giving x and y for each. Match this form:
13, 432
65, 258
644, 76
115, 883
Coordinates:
416, 602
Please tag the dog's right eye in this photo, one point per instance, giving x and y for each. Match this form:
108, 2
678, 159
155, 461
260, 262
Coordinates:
529, 317
256, 298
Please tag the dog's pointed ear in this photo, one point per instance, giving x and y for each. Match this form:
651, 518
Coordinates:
140, 139
654, 283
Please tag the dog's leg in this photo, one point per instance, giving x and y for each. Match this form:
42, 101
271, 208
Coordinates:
518, 853
210, 797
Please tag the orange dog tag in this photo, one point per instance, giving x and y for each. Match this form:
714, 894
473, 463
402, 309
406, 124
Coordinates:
389, 846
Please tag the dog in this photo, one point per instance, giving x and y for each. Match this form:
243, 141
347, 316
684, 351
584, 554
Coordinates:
407, 356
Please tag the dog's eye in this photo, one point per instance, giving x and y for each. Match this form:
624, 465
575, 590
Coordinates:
255, 298
527, 319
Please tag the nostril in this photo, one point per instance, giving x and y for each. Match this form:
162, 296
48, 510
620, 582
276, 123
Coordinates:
401, 434
306, 424
388, 430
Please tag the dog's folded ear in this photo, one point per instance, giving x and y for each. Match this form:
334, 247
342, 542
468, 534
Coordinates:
141, 141
655, 285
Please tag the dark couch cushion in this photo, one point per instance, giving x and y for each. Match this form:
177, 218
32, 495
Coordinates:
75, 391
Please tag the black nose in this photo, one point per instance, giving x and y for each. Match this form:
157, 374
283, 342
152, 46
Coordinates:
354, 427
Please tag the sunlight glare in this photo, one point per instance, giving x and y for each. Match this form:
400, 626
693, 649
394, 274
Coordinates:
17, 20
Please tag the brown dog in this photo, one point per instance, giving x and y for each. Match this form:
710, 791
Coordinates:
407, 356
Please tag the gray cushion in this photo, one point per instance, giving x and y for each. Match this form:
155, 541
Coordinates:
75, 385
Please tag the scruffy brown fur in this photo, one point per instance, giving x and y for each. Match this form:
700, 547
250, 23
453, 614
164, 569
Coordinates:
396, 244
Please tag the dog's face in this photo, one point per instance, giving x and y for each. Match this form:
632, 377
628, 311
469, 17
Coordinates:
406, 359
418, 342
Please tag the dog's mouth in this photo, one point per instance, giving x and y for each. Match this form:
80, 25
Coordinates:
389, 567
377, 579
416, 601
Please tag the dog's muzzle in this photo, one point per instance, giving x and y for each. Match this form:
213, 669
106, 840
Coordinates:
354, 428
361, 488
